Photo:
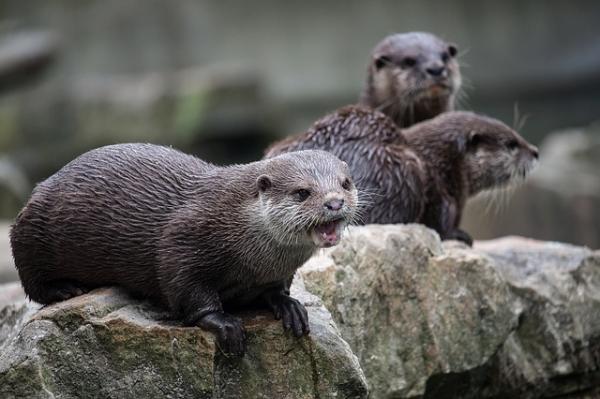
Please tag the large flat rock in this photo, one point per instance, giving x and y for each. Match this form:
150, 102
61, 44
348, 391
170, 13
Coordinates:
106, 345
509, 318
401, 311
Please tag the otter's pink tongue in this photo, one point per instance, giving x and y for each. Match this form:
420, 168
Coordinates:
327, 234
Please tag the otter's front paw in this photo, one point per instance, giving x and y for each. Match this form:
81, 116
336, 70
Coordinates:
291, 311
229, 330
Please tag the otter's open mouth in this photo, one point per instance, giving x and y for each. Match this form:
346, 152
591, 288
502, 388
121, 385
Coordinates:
434, 90
438, 89
327, 234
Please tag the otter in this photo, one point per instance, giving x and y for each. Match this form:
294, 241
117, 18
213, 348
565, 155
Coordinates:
412, 77
464, 154
195, 238
422, 174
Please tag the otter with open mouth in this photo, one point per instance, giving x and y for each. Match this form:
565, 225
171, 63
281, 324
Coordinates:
196, 238
327, 234
422, 174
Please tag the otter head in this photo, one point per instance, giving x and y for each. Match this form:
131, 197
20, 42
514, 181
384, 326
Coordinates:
494, 154
306, 198
412, 77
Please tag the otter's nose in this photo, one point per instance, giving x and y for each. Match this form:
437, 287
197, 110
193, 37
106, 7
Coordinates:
436, 71
334, 204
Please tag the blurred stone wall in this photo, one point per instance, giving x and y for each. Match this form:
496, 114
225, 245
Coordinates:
223, 78
311, 55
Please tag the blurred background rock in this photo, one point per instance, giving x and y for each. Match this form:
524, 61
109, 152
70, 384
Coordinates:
222, 79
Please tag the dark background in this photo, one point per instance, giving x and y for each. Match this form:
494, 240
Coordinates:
222, 79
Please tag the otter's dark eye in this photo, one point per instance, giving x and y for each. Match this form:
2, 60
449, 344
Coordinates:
301, 194
475, 139
347, 184
382, 61
512, 144
452, 50
445, 57
409, 62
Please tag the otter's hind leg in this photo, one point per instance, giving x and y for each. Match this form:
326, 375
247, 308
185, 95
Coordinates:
59, 290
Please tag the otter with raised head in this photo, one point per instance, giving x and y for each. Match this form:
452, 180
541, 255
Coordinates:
464, 154
412, 77
421, 174
193, 237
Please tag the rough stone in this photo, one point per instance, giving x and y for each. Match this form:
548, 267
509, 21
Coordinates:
509, 318
8, 273
555, 350
11, 293
104, 344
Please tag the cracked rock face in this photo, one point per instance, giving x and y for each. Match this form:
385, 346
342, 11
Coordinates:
106, 345
509, 318
555, 351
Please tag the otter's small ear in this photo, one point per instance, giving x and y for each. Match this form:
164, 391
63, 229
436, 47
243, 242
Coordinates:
263, 183
381, 61
452, 50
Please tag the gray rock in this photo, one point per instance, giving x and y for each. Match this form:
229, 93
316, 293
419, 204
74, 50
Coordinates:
510, 318
11, 293
556, 348
14, 311
105, 344
8, 273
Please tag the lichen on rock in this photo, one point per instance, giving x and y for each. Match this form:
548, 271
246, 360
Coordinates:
105, 344
509, 318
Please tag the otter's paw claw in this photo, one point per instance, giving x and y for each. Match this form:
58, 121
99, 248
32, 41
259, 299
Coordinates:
229, 331
63, 290
292, 312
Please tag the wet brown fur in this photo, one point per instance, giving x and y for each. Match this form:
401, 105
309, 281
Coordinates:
387, 173
170, 227
421, 174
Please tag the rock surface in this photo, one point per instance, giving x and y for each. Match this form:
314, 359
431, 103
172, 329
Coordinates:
106, 345
555, 350
11, 293
8, 273
509, 318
